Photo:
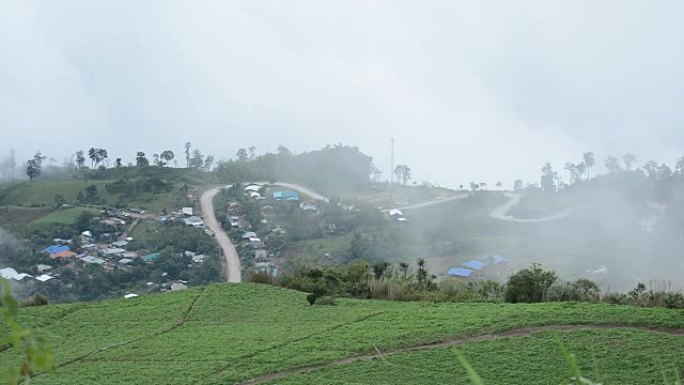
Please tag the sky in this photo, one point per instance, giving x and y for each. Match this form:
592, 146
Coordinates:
480, 91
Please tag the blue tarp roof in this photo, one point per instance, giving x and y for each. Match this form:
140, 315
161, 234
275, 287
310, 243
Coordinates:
150, 257
287, 195
54, 249
499, 259
460, 272
474, 265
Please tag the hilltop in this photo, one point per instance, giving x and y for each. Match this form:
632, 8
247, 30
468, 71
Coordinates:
231, 333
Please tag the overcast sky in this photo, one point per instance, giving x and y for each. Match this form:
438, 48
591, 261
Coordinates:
471, 91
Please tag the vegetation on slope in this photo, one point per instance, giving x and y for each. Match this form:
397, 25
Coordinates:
230, 333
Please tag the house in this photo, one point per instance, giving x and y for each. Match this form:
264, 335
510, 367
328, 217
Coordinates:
266, 267
113, 222
198, 258
87, 237
308, 207
43, 268
498, 260
130, 254
10, 273
260, 255
254, 195
460, 272
286, 196
44, 278
187, 211
193, 221
395, 213
119, 244
92, 260
474, 265
125, 261
56, 249
109, 252
63, 254
175, 286
130, 295
150, 257
249, 234
253, 188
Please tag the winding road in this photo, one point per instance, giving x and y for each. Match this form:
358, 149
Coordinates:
501, 212
232, 270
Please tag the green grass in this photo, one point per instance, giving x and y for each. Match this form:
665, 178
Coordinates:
15, 216
619, 356
41, 193
313, 250
65, 217
236, 332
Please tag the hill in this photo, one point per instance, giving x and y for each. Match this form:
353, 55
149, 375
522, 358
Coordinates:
227, 333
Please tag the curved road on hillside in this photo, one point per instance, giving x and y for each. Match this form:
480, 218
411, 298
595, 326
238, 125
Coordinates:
232, 270
501, 212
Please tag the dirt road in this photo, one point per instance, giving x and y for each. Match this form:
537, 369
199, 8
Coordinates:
501, 212
231, 268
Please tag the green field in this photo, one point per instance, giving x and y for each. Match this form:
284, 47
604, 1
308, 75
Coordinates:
42, 193
230, 333
64, 217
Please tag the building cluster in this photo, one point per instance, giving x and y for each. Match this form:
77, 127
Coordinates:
486, 267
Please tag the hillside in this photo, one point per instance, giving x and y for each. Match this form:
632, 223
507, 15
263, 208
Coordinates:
227, 334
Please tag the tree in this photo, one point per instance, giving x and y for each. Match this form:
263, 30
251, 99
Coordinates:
252, 152
612, 164
80, 159
242, 155
403, 172
155, 160
208, 162
196, 160
679, 167
32, 169
499, 185
187, 154
548, 178
282, 150
92, 154
529, 285
576, 171
167, 156
589, 161
517, 185
628, 159
141, 160
651, 168
117, 163
664, 171
103, 156
12, 162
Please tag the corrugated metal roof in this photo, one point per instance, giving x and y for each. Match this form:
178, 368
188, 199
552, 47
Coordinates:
460, 272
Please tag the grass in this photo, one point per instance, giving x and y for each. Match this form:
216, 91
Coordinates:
41, 193
236, 332
313, 250
16, 216
619, 356
65, 217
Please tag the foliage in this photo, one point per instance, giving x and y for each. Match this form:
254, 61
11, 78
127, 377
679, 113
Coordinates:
34, 349
529, 285
231, 333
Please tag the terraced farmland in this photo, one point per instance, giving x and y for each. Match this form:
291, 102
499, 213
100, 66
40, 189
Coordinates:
228, 333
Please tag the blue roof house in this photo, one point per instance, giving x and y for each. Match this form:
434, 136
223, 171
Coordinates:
459, 272
474, 265
54, 249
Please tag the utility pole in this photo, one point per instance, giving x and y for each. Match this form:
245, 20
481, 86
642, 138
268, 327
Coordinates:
391, 169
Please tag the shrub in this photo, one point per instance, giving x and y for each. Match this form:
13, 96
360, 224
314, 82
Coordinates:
530, 285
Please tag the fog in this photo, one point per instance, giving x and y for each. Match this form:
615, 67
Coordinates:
482, 91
